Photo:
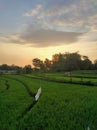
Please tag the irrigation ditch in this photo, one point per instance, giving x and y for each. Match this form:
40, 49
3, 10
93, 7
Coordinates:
78, 76
6, 83
86, 83
30, 93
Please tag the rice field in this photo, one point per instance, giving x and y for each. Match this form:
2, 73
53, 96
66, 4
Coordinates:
61, 106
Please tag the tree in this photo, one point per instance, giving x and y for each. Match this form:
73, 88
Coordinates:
58, 62
86, 63
95, 64
19, 70
72, 61
47, 64
38, 64
66, 62
27, 69
5, 67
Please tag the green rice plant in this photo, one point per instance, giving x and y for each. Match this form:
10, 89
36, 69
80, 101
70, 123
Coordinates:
61, 106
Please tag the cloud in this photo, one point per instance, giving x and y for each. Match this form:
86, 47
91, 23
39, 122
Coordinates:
11, 38
34, 11
53, 12
74, 15
58, 23
36, 36
89, 37
40, 37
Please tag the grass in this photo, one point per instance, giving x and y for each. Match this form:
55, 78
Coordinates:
60, 107
12, 103
2, 85
62, 78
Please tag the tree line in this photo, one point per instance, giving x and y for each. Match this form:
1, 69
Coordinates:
15, 69
65, 62
60, 62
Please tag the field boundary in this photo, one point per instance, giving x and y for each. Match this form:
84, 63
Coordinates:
6, 83
89, 83
24, 84
31, 105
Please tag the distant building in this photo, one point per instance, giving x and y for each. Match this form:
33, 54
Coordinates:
8, 71
2, 71
11, 71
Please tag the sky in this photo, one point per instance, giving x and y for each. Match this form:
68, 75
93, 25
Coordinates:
40, 28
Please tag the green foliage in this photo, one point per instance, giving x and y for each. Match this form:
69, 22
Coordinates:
95, 64
60, 106
80, 77
64, 62
27, 69
38, 64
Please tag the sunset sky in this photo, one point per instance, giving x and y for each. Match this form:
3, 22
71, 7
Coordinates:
40, 28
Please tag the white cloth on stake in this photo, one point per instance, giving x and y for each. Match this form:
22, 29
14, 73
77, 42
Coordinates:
38, 94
